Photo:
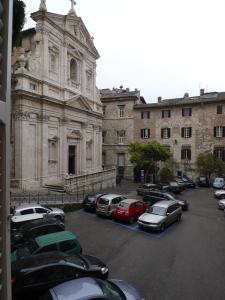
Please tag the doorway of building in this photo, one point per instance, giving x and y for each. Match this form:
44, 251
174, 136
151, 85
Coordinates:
72, 160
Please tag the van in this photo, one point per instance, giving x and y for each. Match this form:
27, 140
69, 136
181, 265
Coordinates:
63, 241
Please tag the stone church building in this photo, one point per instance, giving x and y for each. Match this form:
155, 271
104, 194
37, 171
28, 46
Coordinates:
56, 109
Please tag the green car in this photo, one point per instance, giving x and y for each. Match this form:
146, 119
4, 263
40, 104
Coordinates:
63, 241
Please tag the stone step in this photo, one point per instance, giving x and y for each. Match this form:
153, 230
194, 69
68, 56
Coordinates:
55, 188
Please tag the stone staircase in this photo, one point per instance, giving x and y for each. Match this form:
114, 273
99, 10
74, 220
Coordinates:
55, 187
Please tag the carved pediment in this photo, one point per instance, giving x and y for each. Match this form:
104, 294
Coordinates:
79, 102
74, 134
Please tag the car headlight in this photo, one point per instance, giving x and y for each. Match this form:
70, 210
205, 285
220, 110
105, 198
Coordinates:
104, 270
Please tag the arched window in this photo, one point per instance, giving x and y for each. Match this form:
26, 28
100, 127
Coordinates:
73, 70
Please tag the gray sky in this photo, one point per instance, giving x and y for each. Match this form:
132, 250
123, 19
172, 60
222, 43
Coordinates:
162, 47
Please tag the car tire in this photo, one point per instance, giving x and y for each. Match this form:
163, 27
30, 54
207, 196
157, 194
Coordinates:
162, 227
179, 218
131, 220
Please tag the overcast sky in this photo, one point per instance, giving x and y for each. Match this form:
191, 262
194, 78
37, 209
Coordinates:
162, 47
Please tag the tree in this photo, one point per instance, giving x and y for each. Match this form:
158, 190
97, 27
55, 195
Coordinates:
167, 171
208, 164
18, 21
146, 155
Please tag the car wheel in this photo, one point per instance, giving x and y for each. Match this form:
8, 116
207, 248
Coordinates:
178, 218
162, 227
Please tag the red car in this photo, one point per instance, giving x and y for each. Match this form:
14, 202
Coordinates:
129, 210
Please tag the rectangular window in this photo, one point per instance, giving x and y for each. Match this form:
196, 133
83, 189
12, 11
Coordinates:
103, 136
186, 132
145, 114
121, 137
186, 111
165, 133
145, 133
219, 109
33, 87
220, 153
120, 159
219, 131
121, 110
186, 154
166, 113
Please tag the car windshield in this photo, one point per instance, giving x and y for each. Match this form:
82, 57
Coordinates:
111, 291
157, 210
32, 246
104, 201
123, 204
173, 183
78, 261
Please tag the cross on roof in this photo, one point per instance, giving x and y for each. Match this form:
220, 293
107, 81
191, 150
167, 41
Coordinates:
72, 4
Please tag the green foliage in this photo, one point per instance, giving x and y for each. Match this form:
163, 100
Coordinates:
18, 21
208, 164
165, 174
146, 155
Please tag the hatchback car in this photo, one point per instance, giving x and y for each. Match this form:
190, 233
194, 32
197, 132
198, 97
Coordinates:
90, 201
221, 204
160, 215
129, 210
106, 204
25, 209
203, 181
147, 187
33, 276
63, 241
88, 288
219, 194
34, 229
218, 183
155, 196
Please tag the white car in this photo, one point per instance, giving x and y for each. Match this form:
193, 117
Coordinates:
27, 209
219, 194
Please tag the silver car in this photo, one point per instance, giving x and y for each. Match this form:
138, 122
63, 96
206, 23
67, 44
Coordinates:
221, 204
160, 215
28, 209
107, 204
219, 194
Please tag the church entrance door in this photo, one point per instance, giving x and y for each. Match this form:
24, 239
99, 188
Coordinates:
72, 160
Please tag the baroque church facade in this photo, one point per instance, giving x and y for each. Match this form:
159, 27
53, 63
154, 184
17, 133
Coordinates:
56, 109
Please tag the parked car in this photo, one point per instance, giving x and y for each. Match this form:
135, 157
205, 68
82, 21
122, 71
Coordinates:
160, 215
88, 288
63, 241
221, 204
106, 204
129, 210
173, 187
181, 183
188, 182
25, 209
219, 194
218, 183
34, 229
203, 181
18, 221
90, 201
155, 196
34, 275
147, 187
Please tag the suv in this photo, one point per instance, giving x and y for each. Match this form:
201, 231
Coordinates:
34, 229
160, 215
28, 209
155, 196
106, 204
63, 241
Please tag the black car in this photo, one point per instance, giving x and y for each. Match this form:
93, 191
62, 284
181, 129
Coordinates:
155, 196
32, 276
90, 201
203, 181
188, 182
34, 229
173, 187
145, 188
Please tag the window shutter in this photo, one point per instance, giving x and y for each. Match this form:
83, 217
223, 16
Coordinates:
142, 133
169, 113
190, 111
223, 131
148, 133
182, 153
182, 131
189, 154
168, 132
214, 131
223, 154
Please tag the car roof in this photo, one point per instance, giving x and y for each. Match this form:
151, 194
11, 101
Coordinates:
130, 201
27, 205
55, 237
41, 259
111, 196
81, 287
164, 203
38, 222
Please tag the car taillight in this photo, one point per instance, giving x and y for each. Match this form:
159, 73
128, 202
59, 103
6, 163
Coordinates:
13, 280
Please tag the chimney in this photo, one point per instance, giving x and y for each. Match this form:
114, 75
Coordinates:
159, 99
202, 91
186, 95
